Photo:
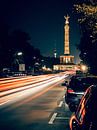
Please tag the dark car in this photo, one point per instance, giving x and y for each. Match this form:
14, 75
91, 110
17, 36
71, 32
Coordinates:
76, 89
85, 117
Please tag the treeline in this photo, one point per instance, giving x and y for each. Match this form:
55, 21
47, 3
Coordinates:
86, 12
13, 42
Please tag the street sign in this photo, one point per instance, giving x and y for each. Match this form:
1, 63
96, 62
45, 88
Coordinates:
21, 67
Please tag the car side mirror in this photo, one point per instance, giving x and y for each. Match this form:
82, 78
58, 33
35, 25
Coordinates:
65, 83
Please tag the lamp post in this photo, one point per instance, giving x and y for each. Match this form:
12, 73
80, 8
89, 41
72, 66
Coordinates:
19, 62
19, 57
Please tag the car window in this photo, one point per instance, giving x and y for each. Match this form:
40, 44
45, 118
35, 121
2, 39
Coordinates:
81, 84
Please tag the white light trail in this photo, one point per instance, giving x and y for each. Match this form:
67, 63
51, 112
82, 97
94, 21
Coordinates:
17, 94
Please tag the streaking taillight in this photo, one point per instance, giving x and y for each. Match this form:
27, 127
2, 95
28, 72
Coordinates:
70, 91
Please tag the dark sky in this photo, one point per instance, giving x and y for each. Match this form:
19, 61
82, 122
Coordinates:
44, 21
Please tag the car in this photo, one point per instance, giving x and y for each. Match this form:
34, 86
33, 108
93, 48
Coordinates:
76, 89
85, 116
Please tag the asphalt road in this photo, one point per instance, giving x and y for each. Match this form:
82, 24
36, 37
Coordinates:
46, 111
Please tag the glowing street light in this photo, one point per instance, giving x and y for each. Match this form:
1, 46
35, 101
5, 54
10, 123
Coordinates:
84, 68
19, 53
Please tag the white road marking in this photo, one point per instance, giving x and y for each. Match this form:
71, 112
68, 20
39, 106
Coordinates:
66, 105
64, 96
63, 118
52, 118
4, 102
60, 104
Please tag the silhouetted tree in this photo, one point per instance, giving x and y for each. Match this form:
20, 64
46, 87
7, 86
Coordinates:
20, 41
13, 42
87, 16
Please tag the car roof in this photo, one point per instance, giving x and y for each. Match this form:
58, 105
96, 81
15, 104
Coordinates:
85, 78
82, 83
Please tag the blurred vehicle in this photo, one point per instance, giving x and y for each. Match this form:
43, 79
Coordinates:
85, 116
76, 89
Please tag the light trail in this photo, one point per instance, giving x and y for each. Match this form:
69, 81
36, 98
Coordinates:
11, 96
27, 86
4, 102
21, 82
9, 80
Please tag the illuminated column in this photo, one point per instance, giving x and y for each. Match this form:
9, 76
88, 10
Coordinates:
66, 37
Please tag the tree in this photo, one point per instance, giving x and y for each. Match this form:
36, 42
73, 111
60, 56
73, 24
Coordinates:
87, 17
13, 42
21, 42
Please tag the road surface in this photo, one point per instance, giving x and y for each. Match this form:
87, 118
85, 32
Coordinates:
34, 103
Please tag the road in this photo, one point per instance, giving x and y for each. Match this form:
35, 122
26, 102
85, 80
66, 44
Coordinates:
34, 103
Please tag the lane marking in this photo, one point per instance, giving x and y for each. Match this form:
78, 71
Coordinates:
52, 118
4, 102
60, 104
64, 96
63, 118
66, 105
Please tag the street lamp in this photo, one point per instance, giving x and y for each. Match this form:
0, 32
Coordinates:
19, 53
21, 64
84, 68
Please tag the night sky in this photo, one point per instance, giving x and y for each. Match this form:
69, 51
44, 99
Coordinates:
44, 21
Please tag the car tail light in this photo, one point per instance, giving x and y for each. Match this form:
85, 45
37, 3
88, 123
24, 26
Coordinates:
70, 91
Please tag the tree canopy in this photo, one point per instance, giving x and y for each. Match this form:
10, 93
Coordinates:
86, 11
13, 42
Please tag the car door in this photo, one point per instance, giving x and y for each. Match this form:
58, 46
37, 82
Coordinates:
81, 113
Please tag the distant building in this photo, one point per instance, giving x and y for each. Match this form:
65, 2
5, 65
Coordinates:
66, 60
